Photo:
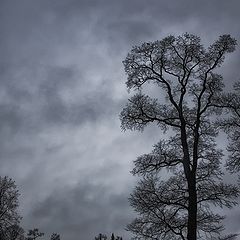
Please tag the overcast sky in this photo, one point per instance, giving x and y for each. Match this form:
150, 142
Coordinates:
62, 89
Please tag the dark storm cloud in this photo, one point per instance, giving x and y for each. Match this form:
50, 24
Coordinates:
62, 88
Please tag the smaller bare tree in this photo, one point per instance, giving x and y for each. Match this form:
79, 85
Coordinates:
34, 234
101, 237
9, 216
104, 237
55, 236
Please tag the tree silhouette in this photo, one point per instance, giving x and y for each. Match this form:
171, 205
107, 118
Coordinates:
34, 234
101, 237
9, 217
231, 125
179, 207
13, 232
112, 237
55, 236
104, 237
115, 238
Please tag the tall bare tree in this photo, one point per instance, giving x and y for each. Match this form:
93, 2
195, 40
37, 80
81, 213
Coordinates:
189, 97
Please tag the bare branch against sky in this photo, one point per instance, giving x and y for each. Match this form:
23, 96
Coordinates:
62, 88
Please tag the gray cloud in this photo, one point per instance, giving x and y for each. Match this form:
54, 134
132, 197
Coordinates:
88, 206
62, 88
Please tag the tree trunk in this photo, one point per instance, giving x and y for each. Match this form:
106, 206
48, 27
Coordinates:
192, 210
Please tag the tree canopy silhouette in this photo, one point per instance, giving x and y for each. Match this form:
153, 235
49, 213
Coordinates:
13, 232
189, 98
34, 234
9, 217
104, 237
231, 125
55, 236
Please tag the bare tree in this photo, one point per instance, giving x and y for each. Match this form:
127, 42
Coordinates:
115, 238
104, 237
9, 217
101, 237
34, 234
184, 71
55, 236
8, 204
